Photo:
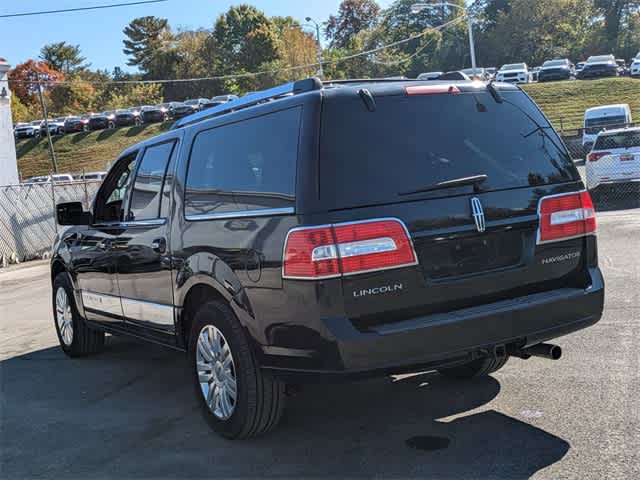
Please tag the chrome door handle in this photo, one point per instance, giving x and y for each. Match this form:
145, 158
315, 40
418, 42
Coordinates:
159, 245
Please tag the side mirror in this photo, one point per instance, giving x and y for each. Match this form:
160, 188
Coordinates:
71, 213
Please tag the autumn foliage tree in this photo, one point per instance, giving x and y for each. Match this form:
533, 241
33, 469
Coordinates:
23, 79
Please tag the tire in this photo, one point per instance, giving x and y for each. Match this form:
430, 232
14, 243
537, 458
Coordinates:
82, 340
476, 368
259, 399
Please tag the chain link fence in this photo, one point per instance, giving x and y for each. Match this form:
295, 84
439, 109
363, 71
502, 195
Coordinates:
27, 216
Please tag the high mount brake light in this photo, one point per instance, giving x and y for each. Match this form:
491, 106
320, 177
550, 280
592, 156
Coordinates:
329, 251
431, 89
566, 216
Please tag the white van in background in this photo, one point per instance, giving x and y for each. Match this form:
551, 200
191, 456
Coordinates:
606, 117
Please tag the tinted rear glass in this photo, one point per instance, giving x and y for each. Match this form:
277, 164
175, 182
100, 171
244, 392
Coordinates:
412, 142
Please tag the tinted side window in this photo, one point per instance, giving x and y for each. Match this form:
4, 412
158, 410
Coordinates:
247, 165
145, 198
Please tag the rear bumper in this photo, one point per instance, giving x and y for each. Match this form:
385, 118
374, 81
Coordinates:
445, 338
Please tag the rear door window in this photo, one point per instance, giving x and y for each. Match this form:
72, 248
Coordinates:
145, 198
248, 165
412, 142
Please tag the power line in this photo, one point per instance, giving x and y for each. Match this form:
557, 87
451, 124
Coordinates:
255, 74
79, 9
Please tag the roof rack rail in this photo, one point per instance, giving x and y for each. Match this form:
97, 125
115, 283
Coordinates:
369, 80
288, 89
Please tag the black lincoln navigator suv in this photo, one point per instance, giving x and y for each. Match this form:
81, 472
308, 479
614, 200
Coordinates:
336, 229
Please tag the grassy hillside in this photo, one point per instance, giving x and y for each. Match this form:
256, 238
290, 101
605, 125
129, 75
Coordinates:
89, 150
563, 102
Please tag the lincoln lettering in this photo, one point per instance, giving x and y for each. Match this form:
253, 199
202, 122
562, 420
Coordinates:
378, 290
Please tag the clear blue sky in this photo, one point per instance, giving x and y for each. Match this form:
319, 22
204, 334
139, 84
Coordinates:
99, 32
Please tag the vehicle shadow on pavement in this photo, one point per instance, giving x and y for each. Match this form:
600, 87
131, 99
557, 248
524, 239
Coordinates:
130, 411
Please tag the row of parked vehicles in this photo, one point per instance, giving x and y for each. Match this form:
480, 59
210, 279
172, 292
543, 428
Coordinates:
66, 178
552, 70
118, 118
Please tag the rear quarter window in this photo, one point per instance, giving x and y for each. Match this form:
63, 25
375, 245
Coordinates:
248, 165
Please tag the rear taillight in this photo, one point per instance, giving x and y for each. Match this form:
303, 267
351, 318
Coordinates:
566, 216
330, 251
595, 156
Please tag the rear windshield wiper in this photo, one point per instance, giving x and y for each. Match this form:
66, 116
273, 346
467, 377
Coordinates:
456, 182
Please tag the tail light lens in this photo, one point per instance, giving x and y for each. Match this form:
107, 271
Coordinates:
346, 249
595, 156
566, 216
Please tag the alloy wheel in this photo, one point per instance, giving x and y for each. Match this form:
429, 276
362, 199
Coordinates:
64, 317
216, 372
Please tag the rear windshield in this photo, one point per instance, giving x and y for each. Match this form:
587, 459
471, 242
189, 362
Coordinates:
409, 143
554, 63
618, 140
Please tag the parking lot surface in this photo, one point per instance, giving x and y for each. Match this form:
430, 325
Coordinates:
131, 412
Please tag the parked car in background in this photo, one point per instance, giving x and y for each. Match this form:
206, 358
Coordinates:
623, 69
605, 117
561, 69
28, 130
479, 73
514, 73
196, 103
534, 73
100, 121
55, 128
580, 67
157, 113
76, 124
491, 71
614, 159
599, 66
634, 69
430, 75
57, 178
89, 176
127, 117
183, 109
224, 98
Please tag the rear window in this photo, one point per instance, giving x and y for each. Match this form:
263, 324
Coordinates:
409, 143
618, 140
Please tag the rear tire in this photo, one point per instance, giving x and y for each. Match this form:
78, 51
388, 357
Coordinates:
476, 368
76, 338
259, 396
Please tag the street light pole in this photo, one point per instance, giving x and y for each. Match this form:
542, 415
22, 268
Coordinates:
319, 45
418, 7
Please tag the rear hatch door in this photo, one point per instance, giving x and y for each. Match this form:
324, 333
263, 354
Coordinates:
465, 174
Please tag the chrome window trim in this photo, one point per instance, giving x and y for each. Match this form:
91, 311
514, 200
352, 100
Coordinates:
156, 222
263, 212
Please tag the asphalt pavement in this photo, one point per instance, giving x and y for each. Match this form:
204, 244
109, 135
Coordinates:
130, 411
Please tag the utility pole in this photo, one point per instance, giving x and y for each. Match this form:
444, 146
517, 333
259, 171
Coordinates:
52, 153
319, 45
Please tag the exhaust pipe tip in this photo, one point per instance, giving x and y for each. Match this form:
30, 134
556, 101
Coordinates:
542, 350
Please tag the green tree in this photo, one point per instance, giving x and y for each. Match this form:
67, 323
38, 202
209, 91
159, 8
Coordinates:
64, 57
75, 96
354, 16
615, 14
243, 40
21, 112
139, 94
537, 31
148, 41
